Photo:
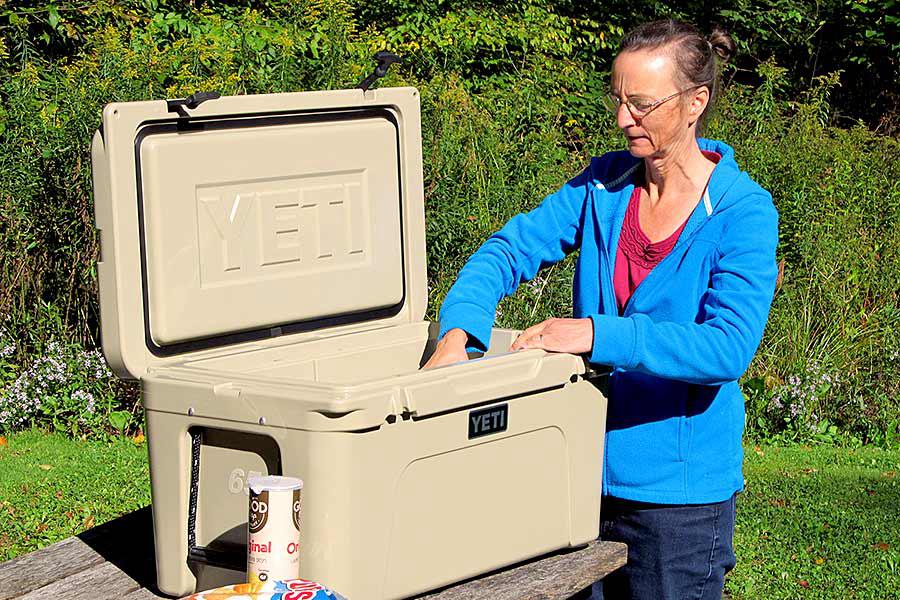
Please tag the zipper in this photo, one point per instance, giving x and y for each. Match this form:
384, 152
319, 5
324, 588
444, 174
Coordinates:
657, 268
606, 289
681, 242
654, 270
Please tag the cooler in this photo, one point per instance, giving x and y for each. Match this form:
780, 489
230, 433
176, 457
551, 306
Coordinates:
262, 273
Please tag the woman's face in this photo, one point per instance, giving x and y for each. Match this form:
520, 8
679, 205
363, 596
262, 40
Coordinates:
645, 76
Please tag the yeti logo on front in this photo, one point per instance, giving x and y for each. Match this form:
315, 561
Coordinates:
488, 420
257, 229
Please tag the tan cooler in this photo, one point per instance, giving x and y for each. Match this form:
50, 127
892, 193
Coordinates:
263, 274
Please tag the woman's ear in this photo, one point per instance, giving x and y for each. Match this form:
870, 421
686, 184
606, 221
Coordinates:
698, 103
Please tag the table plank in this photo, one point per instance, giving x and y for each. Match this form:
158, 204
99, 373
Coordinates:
37, 569
555, 577
116, 561
100, 582
143, 594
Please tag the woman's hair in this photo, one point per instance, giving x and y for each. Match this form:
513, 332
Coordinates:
696, 57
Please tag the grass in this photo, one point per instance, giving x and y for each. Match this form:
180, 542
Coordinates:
813, 522
818, 522
53, 487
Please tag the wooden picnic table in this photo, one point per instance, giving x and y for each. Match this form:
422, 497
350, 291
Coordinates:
116, 561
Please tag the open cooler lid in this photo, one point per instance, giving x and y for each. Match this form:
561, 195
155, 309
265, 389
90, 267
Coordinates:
245, 218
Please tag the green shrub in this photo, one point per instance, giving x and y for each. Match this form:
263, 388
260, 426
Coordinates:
59, 384
836, 313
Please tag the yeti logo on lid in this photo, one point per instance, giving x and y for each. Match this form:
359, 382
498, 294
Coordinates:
295, 505
259, 510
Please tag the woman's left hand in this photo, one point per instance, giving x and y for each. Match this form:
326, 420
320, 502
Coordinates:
575, 336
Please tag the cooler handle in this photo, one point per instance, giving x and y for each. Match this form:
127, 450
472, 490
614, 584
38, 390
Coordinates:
496, 377
233, 560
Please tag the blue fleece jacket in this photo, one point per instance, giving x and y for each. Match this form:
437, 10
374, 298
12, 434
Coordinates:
676, 412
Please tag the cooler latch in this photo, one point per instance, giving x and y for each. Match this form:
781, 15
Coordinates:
191, 102
593, 371
385, 60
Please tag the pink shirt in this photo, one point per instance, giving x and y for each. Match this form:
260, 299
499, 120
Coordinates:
636, 255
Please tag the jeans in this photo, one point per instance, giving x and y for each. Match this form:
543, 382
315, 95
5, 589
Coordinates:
675, 552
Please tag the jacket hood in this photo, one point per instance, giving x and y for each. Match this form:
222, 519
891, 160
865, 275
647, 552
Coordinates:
619, 170
726, 176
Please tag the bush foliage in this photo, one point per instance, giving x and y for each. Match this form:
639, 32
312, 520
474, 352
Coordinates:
511, 109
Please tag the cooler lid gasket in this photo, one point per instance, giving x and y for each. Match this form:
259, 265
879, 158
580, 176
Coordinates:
185, 124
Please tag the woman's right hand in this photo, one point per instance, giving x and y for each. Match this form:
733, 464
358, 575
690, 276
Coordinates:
450, 349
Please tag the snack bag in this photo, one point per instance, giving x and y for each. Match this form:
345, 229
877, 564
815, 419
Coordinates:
287, 589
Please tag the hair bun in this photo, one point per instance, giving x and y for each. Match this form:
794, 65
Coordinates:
722, 44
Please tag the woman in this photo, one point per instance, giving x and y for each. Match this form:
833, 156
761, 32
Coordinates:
672, 289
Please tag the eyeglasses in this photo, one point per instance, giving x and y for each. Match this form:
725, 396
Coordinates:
639, 107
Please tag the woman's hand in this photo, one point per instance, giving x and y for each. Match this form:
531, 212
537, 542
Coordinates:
450, 349
575, 336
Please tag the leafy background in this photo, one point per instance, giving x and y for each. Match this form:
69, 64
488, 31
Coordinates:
511, 109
